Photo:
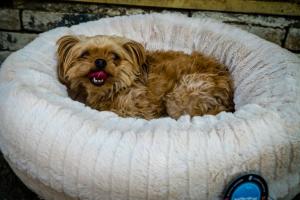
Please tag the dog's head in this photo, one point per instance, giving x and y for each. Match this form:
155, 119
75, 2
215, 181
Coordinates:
99, 62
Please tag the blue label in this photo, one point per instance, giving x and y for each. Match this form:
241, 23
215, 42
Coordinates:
247, 191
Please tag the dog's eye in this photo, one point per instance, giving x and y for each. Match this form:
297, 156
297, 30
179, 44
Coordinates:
84, 54
115, 56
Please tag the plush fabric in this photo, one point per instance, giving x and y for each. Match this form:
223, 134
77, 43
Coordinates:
65, 150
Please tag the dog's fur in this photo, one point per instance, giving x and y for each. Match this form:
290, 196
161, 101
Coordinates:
146, 84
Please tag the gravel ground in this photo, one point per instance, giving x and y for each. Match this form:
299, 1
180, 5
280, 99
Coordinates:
11, 188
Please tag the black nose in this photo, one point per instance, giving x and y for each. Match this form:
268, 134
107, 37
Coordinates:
100, 63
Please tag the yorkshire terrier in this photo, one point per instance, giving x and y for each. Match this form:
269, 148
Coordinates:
111, 73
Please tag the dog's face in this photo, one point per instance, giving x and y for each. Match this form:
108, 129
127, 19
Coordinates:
99, 63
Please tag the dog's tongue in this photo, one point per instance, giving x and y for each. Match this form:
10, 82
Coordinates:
98, 77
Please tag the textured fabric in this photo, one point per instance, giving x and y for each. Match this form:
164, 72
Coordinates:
65, 150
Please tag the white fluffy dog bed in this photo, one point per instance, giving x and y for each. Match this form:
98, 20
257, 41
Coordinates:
64, 150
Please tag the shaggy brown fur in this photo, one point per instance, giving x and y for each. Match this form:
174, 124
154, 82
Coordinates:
146, 84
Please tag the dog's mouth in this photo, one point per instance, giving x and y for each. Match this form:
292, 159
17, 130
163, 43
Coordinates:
98, 77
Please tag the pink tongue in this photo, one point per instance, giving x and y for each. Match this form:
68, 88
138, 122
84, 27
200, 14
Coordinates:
98, 75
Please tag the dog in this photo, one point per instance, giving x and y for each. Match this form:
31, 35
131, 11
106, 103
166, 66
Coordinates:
112, 73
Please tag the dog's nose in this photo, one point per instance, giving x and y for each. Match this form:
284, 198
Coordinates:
100, 63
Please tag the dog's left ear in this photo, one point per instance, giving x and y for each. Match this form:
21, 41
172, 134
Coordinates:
136, 52
138, 55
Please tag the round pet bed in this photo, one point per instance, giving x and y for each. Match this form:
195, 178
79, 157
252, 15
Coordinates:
63, 149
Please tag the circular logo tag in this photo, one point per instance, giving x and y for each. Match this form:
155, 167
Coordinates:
247, 187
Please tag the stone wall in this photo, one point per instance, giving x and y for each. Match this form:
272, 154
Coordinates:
21, 21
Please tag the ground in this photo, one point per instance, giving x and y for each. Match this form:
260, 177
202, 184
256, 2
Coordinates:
11, 188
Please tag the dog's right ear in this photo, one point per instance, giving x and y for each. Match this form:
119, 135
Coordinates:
65, 44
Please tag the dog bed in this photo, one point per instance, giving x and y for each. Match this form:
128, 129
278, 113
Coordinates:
62, 149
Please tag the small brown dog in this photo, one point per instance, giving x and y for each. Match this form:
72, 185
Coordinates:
111, 73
